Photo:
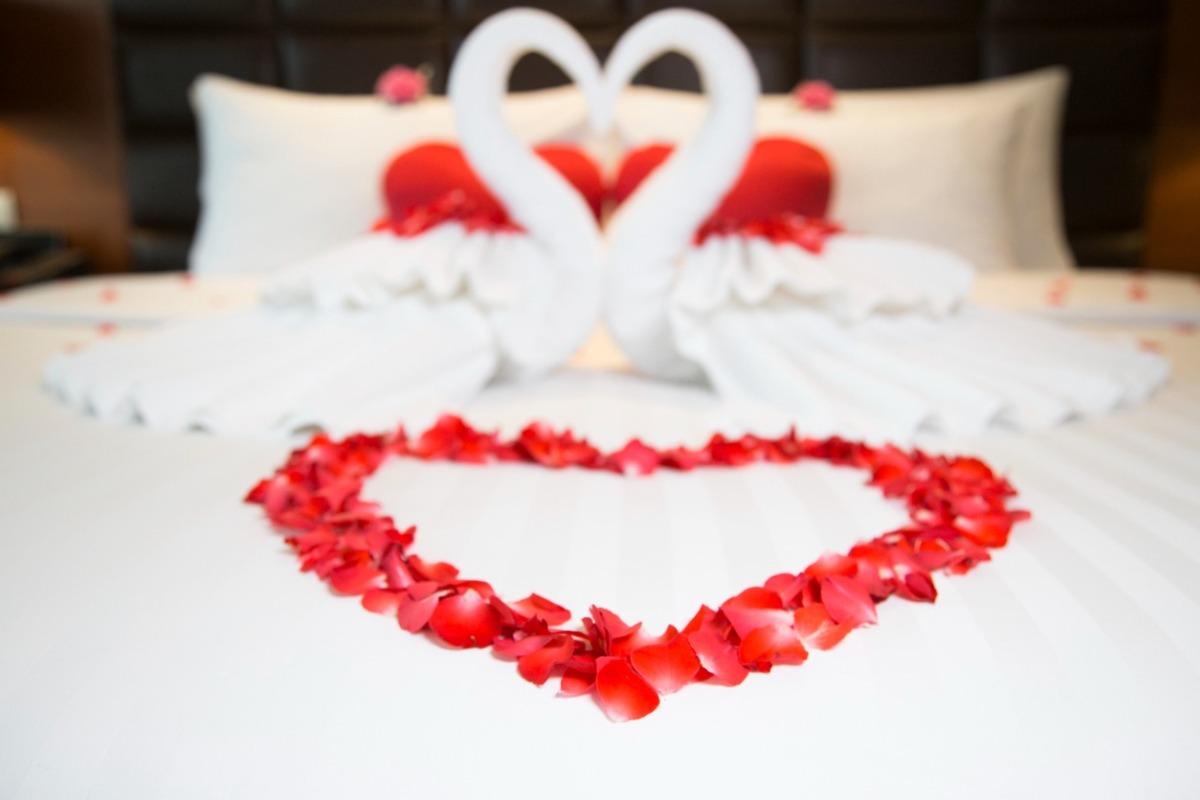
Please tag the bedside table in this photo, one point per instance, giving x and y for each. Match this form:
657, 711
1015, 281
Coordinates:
33, 257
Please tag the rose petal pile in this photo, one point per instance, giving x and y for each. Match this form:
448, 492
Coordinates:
958, 509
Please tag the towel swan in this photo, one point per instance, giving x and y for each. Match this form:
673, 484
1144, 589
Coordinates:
392, 323
851, 333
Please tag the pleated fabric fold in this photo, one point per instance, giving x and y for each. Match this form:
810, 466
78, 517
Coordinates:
382, 328
874, 336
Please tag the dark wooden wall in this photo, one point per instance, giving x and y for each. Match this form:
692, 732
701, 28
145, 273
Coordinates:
61, 134
60, 145
1112, 47
1173, 240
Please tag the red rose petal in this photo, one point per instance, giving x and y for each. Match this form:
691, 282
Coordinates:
635, 458
683, 458
638, 638
609, 628
437, 571
537, 666
576, 682
734, 452
787, 586
958, 508
382, 601
753, 609
701, 618
970, 469
817, 629
354, 579
482, 587
772, 644
622, 694
405, 537
538, 607
515, 648
313, 539
847, 601
667, 667
990, 531
540, 443
398, 574
919, 586
832, 564
465, 620
717, 656
413, 615
422, 589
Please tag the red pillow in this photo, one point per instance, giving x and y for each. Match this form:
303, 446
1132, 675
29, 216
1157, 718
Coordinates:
781, 177
636, 167
424, 176
579, 169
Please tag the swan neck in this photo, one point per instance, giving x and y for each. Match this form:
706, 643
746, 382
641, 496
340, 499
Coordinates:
535, 195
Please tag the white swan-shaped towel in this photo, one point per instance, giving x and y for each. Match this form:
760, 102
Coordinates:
870, 335
387, 326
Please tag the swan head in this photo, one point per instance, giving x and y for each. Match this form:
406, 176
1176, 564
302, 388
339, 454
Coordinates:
501, 39
728, 74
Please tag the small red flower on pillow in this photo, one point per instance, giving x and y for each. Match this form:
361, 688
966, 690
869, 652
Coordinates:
401, 84
814, 95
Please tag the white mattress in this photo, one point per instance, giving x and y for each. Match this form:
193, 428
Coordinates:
158, 640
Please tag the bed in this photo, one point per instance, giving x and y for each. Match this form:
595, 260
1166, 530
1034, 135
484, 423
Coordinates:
161, 643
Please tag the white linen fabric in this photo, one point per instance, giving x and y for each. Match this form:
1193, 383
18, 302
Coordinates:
260, 211
1099, 296
937, 177
972, 168
386, 324
868, 336
890, 375
286, 175
852, 277
160, 642
130, 298
1032, 103
281, 370
1108, 297
872, 337
511, 278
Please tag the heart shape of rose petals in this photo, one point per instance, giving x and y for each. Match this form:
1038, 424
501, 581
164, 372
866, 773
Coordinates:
958, 509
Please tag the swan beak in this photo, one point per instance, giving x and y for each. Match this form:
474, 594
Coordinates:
601, 107
600, 120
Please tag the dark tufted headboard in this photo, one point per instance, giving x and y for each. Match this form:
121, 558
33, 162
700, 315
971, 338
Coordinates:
1112, 48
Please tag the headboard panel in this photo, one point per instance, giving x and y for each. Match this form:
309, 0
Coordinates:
1112, 48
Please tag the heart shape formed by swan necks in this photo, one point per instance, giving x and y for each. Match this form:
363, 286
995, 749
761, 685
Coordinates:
957, 506
432, 183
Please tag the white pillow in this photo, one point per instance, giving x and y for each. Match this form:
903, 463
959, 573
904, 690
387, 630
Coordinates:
286, 175
938, 176
1035, 102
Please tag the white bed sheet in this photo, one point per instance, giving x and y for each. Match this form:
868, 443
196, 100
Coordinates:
159, 642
